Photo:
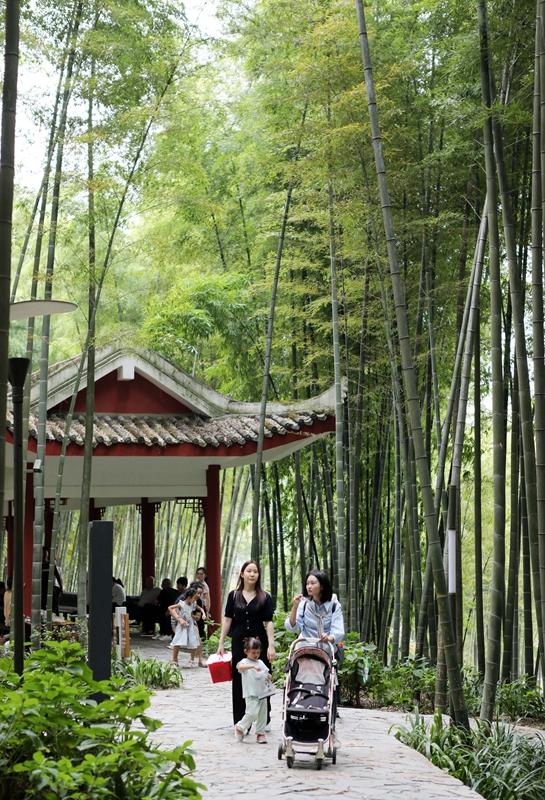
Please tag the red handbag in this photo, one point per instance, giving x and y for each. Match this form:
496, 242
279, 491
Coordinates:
219, 667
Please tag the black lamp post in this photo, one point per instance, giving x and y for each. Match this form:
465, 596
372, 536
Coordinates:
17, 372
18, 368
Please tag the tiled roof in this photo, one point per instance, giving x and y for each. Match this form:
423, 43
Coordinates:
164, 430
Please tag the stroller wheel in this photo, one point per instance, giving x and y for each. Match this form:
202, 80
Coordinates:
280, 752
334, 756
289, 762
319, 763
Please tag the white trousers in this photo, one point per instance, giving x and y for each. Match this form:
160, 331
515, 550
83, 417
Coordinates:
256, 713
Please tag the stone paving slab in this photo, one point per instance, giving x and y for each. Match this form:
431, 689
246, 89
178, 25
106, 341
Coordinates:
371, 763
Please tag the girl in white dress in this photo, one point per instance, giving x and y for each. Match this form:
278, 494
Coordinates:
186, 635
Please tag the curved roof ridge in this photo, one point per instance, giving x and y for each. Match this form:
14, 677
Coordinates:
194, 393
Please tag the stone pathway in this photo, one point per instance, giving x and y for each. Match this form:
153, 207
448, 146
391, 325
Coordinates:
371, 763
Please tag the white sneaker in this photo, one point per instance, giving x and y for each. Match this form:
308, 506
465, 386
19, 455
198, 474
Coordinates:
156, 636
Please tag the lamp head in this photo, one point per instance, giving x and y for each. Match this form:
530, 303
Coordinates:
17, 371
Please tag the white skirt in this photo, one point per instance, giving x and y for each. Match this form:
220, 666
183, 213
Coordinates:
186, 637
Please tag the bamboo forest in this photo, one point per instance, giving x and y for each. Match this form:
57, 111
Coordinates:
272, 294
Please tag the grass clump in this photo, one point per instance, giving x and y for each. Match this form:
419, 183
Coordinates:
148, 672
495, 761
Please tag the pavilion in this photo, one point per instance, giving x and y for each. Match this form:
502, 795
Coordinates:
159, 434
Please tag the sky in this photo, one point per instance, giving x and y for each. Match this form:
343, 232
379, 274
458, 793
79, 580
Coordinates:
36, 90
36, 84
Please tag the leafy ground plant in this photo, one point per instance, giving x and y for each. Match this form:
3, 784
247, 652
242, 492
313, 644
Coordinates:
520, 698
57, 741
365, 681
359, 669
148, 672
495, 761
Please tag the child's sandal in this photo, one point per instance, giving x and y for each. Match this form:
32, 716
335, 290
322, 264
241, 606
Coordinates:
261, 738
239, 734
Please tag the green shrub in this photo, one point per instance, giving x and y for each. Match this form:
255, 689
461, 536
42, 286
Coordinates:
473, 690
359, 669
405, 685
365, 680
211, 644
148, 672
520, 698
57, 741
495, 761
282, 642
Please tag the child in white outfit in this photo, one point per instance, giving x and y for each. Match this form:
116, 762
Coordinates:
254, 675
186, 634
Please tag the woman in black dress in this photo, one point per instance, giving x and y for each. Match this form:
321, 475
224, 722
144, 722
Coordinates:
248, 612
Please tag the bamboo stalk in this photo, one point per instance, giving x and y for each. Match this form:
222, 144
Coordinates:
409, 378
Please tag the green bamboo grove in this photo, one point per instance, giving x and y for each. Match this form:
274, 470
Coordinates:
327, 194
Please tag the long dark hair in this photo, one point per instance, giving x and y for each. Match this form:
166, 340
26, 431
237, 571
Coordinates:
260, 595
326, 592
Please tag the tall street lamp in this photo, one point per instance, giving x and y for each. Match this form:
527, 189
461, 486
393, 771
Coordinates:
17, 372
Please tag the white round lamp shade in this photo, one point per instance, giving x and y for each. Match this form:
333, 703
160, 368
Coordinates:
39, 308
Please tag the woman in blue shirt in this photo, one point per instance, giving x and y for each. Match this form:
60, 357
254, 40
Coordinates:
317, 614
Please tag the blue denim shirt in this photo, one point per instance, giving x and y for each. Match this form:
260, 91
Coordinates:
314, 619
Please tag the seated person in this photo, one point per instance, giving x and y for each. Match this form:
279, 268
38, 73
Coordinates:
181, 586
167, 597
147, 608
118, 594
57, 582
7, 602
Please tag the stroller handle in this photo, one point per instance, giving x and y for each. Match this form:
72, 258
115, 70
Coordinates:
313, 640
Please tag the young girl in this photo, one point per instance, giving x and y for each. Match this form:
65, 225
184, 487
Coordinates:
186, 635
254, 680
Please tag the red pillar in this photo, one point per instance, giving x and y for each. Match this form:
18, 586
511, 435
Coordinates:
147, 519
28, 542
212, 520
9, 531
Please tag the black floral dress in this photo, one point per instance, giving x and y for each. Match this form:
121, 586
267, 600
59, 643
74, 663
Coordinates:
247, 619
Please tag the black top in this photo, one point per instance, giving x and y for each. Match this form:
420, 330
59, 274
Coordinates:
248, 619
167, 597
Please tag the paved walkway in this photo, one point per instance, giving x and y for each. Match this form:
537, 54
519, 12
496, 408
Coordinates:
371, 763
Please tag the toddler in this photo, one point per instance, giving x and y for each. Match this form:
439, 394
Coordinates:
254, 675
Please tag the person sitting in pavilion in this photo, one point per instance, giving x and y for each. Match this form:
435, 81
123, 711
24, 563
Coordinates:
167, 597
118, 594
147, 607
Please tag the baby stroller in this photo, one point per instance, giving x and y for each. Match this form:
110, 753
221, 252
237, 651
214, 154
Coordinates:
309, 710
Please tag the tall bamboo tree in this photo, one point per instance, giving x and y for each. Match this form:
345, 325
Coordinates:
39, 478
409, 380
268, 349
498, 437
7, 174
